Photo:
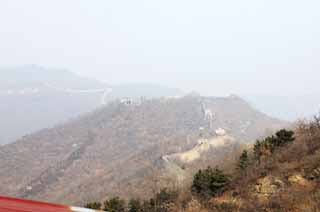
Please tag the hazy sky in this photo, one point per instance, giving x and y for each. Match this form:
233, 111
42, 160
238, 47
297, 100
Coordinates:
215, 47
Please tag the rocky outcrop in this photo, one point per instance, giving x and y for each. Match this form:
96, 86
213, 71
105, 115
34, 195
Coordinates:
298, 179
267, 186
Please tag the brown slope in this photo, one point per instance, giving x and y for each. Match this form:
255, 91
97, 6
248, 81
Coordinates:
111, 150
286, 180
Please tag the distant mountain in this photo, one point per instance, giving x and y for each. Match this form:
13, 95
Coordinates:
149, 90
33, 75
33, 97
287, 107
115, 150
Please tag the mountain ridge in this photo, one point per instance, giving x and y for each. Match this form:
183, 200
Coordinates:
119, 145
36, 97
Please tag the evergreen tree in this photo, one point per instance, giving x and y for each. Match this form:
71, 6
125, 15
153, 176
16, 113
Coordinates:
93, 205
268, 145
166, 196
284, 137
148, 206
209, 181
243, 160
134, 205
115, 204
257, 150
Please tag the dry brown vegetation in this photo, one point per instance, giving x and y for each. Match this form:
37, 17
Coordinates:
286, 180
112, 151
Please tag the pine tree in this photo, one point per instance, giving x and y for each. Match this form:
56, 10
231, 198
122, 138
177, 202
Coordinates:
243, 160
284, 136
257, 150
115, 204
209, 181
93, 205
134, 205
268, 145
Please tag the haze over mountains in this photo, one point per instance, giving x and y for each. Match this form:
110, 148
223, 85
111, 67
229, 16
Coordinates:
161, 106
114, 149
287, 107
33, 97
79, 139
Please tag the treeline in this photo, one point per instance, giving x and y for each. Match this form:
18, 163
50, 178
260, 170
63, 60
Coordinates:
206, 184
162, 202
265, 147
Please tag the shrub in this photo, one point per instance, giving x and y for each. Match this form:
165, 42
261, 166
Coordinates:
114, 204
93, 205
134, 205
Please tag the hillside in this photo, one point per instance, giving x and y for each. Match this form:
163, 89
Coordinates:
34, 97
30, 101
278, 176
279, 173
116, 148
